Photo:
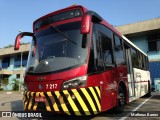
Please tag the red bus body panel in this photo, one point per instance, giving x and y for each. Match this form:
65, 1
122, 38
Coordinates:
57, 78
107, 88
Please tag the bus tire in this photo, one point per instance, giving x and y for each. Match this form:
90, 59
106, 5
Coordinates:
121, 100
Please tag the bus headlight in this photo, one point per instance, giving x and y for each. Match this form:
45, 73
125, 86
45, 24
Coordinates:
76, 82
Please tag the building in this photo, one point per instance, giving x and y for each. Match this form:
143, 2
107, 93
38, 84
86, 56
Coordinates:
10, 65
146, 35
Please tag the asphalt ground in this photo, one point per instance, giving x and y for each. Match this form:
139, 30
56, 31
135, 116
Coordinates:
140, 109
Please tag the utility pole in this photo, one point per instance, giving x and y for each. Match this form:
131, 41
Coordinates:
21, 70
21, 66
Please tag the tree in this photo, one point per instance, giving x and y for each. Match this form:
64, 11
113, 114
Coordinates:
10, 45
3, 83
15, 84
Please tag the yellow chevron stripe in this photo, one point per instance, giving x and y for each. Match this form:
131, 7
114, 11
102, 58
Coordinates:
57, 94
37, 94
55, 106
47, 106
25, 103
64, 107
42, 95
89, 100
84, 107
36, 103
30, 102
24, 97
35, 106
49, 94
46, 103
71, 102
98, 91
95, 97
28, 94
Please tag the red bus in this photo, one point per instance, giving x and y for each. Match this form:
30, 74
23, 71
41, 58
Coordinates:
81, 65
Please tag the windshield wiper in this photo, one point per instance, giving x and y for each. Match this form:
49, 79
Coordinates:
64, 35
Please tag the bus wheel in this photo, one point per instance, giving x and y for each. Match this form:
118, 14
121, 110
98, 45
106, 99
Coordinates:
121, 100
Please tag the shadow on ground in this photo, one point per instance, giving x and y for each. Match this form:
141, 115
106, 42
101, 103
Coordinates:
17, 105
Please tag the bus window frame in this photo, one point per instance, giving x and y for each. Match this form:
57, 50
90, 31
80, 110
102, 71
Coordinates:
121, 48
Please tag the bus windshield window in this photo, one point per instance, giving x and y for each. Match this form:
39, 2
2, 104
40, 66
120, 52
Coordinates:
55, 52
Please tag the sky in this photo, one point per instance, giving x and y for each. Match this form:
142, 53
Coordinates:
18, 15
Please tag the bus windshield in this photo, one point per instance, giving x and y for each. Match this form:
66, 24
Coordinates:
58, 48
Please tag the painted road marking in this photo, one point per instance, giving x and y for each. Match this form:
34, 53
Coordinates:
135, 109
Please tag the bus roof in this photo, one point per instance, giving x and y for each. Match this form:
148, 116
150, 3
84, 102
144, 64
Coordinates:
126, 39
84, 10
62, 10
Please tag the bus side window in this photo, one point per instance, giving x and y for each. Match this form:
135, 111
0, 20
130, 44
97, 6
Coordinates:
146, 63
134, 57
106, 51
119, 53
93, 55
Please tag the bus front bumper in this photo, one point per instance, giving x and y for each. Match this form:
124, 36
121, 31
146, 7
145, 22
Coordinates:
83, 101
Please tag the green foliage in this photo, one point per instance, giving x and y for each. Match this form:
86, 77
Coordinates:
15, 84
24, 43
5, 81
8, 46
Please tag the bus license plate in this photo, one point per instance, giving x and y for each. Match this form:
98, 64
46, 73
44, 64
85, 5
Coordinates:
40, 99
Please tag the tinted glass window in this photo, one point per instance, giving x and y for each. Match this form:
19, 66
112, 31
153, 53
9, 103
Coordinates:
135, 59
119, 54
143, 61
106, 31
106, 48
17, 60
6, 62
147, 63
140, 59
154, 42
60, 47
57, 17
91, 65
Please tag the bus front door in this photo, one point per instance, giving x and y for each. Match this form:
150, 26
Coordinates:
130, 73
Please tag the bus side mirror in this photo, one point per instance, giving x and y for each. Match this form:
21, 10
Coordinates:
85, 24
18, 38
87, 18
